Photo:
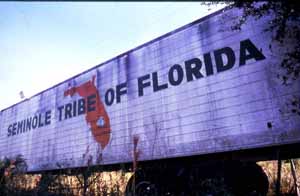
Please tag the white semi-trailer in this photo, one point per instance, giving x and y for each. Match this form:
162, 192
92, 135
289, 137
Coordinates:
201, 92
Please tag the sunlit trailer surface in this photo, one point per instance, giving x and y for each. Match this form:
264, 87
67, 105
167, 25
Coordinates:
197, 90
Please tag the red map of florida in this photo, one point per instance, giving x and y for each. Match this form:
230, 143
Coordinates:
98, 118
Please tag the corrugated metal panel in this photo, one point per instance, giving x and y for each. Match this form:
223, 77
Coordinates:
167, 93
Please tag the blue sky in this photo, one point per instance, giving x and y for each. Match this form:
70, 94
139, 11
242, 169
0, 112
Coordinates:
44, 43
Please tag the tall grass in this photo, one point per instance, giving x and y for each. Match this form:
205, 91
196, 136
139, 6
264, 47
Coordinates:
287, 182
109, 183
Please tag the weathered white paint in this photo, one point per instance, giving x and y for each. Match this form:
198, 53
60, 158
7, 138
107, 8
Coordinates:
222, 112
